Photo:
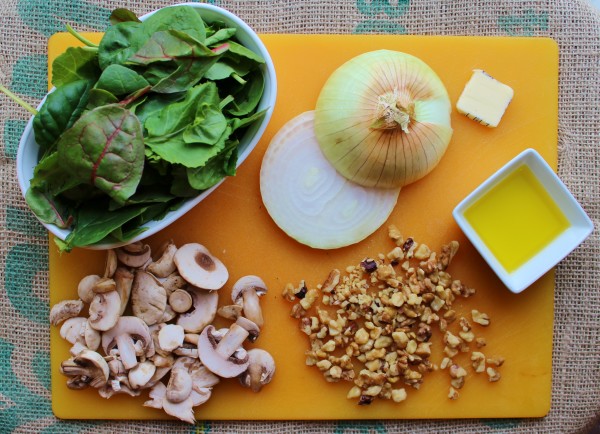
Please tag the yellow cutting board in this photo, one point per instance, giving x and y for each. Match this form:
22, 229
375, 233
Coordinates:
235, 226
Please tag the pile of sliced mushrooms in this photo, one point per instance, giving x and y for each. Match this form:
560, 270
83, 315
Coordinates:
149, 326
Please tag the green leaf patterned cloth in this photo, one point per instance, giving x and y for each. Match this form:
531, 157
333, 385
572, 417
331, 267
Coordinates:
25, 397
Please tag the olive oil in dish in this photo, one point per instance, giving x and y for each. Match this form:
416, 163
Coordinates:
516, 218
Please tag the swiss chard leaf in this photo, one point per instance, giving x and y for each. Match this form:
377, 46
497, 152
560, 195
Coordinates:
105, 148
120, 80
61, 109
48, 208
176, 61
76, 63
50, 177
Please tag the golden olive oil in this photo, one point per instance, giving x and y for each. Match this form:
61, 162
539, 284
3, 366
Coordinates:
517, 218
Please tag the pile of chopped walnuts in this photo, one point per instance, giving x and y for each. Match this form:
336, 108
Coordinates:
373, 324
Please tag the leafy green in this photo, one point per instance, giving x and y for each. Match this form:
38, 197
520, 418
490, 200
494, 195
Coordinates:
120, 80
76, 63
149, 118
60, 110
105, 148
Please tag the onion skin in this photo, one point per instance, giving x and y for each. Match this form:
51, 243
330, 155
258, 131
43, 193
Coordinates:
382, 119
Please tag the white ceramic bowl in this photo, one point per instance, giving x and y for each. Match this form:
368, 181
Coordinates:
578, 227
27, 154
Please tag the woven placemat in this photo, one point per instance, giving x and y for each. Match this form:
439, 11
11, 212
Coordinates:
25, 26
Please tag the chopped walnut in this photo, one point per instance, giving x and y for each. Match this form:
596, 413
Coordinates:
493, 374
496, 361
478, 361
453, 393
382, 312
480, 318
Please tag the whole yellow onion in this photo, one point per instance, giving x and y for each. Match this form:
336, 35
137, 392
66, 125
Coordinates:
382, 119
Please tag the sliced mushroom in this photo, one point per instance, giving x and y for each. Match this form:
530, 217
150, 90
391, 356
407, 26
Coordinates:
205, 305
180, 301
72, 330
134, 255
122, 336
168, 314
246, 292
123, 282
111, 263
250, 327
231, 312
141, 374
170, 337
88, 368
179, 386
85, 289
173, 282
110, 390
199, 267
64, 310
165, 265
105, 310
260, 370
181, 410
91, 336
223, 357
148, 298
104, 285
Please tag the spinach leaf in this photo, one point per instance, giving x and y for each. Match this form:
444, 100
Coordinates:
218, 167
105, 148
59, 112
120, 80
121, 15
181, 18
175, 117
220, 36
208, 126
155, 102
95, 223
100, 97
76, 63
120, 42
247, 96
176, 151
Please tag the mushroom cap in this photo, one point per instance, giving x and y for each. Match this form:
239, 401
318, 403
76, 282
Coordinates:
260, 369
72, 330
64, 310
148, 298
170, 337
134, 255
164, 265
88, 368
140, 375
224, 366
205, 305
180, 300
85, 287
199, 267
247, 283
105, 310
179, 386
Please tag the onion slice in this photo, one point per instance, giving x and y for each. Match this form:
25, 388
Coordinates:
309, 200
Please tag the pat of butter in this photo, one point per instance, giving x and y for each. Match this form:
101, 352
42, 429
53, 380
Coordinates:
484, 99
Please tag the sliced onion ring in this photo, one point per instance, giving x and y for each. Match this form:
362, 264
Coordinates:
309, 200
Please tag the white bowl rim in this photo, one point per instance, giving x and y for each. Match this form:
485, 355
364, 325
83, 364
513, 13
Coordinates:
581, 225
267, 101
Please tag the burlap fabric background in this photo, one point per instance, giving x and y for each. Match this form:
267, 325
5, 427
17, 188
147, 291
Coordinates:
25, 26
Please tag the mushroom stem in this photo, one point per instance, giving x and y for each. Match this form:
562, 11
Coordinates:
232, 340
252, 309
126, 351
255, 372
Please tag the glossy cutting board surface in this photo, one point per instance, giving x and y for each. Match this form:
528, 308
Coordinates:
235, 226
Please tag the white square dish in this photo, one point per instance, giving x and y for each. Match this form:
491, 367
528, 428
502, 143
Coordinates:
520, 231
